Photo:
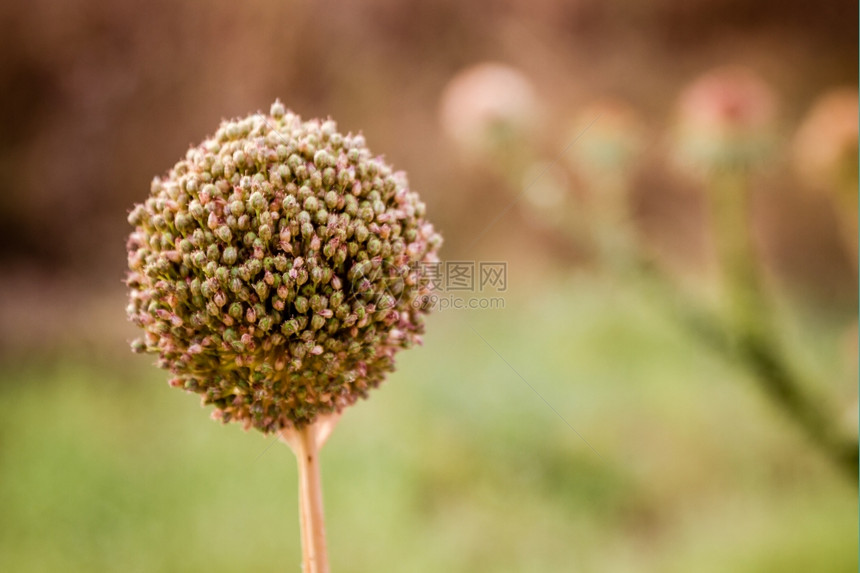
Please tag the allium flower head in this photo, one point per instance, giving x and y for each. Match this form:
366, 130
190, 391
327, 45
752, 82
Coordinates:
276, 269
487, 107
826, 144
725, 120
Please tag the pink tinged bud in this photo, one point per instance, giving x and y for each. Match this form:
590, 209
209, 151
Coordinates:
173, 256
256, 202
220, 299
223, 232
137, 215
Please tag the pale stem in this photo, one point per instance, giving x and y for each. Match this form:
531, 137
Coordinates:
306, 443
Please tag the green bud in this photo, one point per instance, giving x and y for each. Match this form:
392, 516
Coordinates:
265, 233
230, 255
262, 290
290, 327
236, 310
317, 322
311, 204
256, 202
196, 210
301, 304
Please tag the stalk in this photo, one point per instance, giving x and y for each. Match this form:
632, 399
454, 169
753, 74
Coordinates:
751, 326
306, 443
747, 310
750, 340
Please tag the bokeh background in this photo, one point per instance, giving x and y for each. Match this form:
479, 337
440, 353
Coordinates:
464, 460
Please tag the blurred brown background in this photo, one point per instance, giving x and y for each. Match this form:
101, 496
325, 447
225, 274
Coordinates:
98, 97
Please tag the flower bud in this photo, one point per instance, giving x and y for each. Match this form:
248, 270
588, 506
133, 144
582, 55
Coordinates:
230, 255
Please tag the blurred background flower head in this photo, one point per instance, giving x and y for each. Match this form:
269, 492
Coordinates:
825, 146
488, 109
726, 120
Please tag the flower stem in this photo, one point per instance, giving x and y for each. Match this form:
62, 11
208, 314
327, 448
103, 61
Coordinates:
752, 336
748, 311
306, 443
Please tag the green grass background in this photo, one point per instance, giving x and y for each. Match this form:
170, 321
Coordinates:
454, 465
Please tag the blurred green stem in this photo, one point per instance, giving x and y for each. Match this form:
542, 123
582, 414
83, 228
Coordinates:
750, 335
747, 309
747, 338
760, 359
612, 223
847, 204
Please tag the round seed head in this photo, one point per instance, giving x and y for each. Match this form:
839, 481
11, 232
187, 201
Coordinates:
241, 270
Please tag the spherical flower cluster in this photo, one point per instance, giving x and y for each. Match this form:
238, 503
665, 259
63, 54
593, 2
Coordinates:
725, 120
276, 270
